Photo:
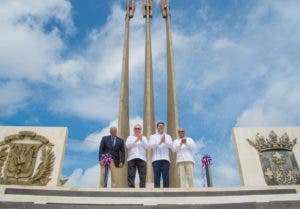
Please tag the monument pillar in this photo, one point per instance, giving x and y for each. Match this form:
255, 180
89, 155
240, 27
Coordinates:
172, 115
148, 117
123, 119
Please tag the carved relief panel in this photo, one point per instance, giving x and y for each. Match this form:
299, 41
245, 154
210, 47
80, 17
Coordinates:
277, 159
26, 159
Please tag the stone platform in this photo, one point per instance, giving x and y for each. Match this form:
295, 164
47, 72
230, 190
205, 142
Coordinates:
282, 197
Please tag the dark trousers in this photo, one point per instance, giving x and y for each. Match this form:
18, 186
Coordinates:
161, 168
141, 166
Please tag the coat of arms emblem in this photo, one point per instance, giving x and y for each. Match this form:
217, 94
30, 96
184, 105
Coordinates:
277, 159
26, 159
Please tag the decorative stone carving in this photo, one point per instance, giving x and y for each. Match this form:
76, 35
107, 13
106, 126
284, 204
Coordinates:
273, 142
26, 159
278, 162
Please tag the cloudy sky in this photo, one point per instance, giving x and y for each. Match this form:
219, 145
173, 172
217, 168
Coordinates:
237, 64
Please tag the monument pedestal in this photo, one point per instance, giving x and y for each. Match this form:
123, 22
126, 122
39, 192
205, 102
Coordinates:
275, 197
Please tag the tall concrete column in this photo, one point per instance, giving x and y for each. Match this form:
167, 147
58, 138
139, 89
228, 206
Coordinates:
172, 115
148, 118
123, 119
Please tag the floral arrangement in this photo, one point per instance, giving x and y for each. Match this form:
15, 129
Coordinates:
107, 158
206, 161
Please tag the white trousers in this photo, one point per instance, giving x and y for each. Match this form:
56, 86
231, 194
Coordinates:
186, 174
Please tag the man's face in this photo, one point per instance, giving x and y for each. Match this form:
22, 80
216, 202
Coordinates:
181, 133
137, 130
160, 128
113, 131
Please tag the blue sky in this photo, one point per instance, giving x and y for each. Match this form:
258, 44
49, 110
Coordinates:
236, 62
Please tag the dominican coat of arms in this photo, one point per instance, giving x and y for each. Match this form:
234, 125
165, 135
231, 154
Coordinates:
278, 162
26, 159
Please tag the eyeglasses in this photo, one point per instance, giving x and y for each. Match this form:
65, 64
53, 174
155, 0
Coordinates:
180, 131
137, 128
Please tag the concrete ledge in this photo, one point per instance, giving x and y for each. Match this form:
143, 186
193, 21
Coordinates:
170, 198
248, 205
47, 192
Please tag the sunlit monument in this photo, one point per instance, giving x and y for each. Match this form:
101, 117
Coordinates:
123, 120
31, 157
149, 113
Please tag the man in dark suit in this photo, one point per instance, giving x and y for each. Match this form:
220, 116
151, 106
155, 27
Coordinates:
113, 145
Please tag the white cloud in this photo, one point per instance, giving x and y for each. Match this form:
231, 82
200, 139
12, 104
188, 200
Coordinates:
223, 43
277, 103
226, 175
26, 49
90, 103
200, 143
224, 166
203, 11
13, 96
87, 178
35, 11
69, 71
278, 106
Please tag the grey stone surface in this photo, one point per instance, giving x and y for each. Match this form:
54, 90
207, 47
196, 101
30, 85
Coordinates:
42, 192
248, 205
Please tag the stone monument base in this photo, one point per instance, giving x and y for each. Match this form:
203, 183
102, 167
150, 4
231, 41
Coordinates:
275, 197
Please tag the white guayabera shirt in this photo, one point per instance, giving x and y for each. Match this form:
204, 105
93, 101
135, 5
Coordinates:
160, 151
136, 149
184, 152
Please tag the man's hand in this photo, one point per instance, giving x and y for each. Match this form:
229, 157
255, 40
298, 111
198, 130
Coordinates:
162, 139
101, 162
183, 141
120, 165
139, 137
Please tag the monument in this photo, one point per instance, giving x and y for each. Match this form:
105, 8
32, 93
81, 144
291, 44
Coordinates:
172, 111
149, 113
123, 119
148, 117
31, 157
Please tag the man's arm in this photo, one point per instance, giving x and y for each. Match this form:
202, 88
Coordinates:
190, 144
130, 141
122, 152
169, 141
176, 145
145, 143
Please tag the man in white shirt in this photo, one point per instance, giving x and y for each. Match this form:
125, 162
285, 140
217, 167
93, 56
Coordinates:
184, 148
137, 145
160, 143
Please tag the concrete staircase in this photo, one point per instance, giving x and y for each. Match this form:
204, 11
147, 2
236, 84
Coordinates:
14, 197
